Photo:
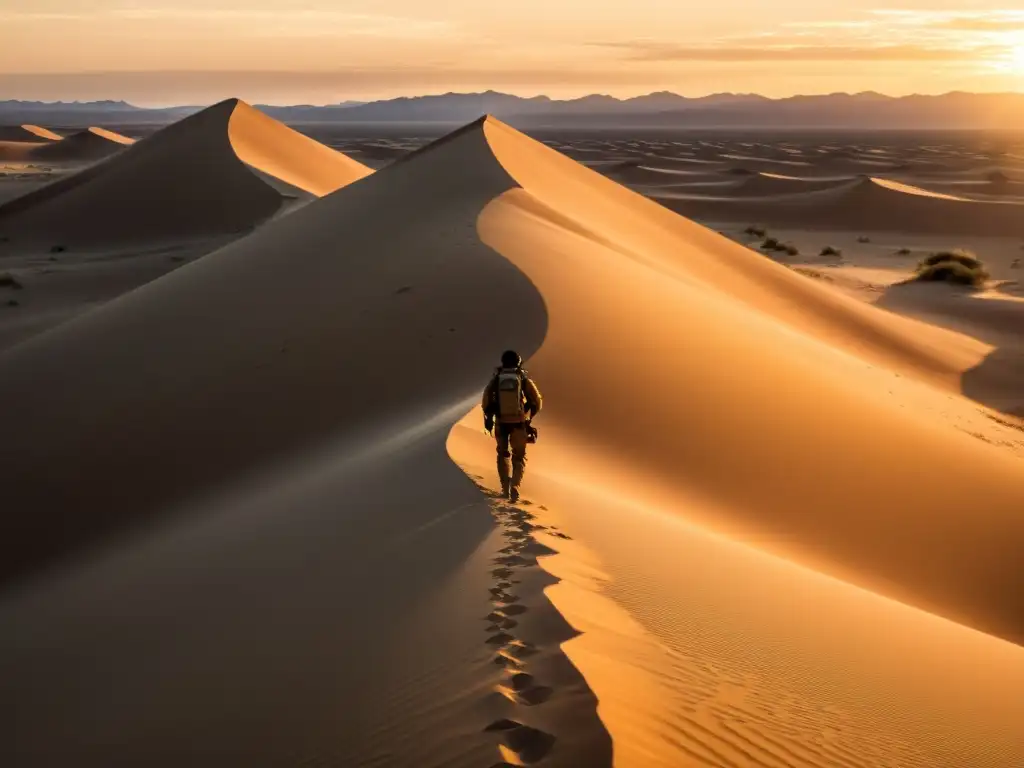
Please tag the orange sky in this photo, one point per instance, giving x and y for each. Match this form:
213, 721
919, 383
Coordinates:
323, 51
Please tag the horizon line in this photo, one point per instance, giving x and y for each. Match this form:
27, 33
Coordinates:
536, 96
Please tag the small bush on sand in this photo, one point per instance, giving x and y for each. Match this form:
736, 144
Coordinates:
57, 249
791, 249
830, 250
903, 252
958, 267
7, 280
755, 231
771, 244
863, 239
958, 255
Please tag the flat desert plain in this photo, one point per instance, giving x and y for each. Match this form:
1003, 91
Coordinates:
774, 518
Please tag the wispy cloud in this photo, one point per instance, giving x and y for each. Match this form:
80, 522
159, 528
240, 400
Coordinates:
981, 24
310, 21
994, 20
639, 50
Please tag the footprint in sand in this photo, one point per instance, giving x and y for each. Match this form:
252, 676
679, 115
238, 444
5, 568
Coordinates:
529, 744
501, 638
522, 688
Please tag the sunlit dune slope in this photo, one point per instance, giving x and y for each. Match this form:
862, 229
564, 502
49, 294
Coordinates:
769, 403
221, 170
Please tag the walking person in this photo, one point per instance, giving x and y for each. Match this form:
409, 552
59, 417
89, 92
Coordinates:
511, 400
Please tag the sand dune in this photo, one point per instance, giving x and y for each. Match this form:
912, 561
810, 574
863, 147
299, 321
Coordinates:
867, 204
32, 133
224, 169
740, 471
88, 145
769, 184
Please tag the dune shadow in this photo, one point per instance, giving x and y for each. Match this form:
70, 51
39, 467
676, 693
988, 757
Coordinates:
995, 381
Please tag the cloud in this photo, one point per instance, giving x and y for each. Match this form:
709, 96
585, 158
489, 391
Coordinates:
1005, 20
981, 24
308, 21
774, 52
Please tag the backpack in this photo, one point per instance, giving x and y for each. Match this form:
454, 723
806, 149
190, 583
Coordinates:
508, 394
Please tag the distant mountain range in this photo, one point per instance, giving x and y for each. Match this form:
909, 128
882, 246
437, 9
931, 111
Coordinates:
662, 109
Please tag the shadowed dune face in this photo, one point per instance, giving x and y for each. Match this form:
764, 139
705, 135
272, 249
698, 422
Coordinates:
283, 407
228, 365
88, 145
201, 176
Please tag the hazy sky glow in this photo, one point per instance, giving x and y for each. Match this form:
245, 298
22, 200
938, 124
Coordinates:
322, 51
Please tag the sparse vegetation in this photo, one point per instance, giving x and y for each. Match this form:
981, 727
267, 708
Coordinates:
7, 280
903, 252
863, 239
830, 250
958, 266
57, 249
755, 231
958, 255
774, 244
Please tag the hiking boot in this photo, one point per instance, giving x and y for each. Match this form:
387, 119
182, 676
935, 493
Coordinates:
513, 494
505, 486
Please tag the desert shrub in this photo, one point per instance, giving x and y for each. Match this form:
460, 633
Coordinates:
903, 252
863, 239
957, 267
755, 231
830, 250
771, 244
958, 255
7, 280
791, 249
57, 249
